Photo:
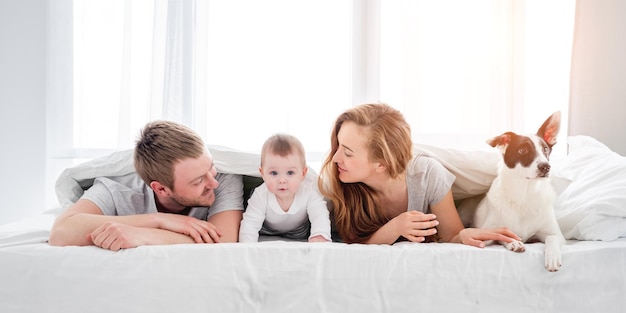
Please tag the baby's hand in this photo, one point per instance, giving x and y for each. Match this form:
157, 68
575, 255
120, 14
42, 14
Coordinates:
318, 238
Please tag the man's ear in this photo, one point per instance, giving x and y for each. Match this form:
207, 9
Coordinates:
159, 188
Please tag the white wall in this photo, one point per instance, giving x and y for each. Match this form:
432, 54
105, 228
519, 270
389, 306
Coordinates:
598, 84
22, 108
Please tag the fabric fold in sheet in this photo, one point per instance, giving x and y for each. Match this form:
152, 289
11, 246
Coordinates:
27, 231
593, 205
23, 238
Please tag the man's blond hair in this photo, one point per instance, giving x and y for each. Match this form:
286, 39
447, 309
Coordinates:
162, 144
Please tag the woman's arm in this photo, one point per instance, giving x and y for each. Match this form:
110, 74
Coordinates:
451, 228
449, 220
413, 225
416, 226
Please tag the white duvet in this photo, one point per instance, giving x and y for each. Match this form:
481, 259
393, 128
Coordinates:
474, 169
72, 182
592, 206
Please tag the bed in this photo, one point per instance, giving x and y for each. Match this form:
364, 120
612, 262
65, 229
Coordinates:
277, 275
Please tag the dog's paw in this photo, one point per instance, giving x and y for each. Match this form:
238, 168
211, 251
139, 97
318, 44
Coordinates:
553, 259
515, 246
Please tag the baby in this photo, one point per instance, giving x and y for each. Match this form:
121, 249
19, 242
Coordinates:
288, 202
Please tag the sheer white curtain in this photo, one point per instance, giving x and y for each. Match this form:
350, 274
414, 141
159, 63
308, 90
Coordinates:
239, 70
236, 71
272, 66
463, 71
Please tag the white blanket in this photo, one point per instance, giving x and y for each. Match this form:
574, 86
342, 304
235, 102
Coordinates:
593, 205
474, 170
72, 182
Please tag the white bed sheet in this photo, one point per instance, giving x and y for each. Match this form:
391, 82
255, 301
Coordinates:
282, 276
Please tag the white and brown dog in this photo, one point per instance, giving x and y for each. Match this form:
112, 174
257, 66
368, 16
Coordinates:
521, 196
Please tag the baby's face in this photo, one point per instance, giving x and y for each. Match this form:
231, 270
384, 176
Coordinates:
283, 175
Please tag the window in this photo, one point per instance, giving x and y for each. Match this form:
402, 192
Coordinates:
238, 71
463, 71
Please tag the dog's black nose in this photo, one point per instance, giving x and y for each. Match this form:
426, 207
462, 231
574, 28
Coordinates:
544, 168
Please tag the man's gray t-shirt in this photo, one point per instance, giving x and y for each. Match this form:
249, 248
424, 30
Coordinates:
427, 181
129, 195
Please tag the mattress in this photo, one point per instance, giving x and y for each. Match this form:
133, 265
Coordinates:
286, 276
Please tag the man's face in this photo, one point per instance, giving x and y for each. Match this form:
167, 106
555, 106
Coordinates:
194, 181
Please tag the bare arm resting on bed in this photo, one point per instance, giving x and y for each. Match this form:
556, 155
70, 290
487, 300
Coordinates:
227, 222
415, 226
84, 224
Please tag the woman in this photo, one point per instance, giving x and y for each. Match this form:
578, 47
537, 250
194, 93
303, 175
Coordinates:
381, 193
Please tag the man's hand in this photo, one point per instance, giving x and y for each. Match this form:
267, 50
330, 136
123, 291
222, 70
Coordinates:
116, 236
200, 231
174, 229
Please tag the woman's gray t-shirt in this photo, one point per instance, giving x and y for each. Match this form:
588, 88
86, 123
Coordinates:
427, 181
129, 195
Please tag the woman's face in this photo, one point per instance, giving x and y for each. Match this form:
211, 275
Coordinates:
352, 156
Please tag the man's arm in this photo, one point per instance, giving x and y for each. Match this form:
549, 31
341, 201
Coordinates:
83, 222
74, 226
228, 205
116, 236
228, 223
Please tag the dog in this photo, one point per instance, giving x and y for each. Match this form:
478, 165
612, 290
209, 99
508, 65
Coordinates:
521, 196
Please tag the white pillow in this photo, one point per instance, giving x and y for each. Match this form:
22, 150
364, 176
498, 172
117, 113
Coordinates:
593, 205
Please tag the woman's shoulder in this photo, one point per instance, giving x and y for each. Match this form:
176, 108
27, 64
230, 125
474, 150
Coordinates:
421, 163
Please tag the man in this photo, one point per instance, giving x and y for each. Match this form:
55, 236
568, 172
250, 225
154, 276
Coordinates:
175, 196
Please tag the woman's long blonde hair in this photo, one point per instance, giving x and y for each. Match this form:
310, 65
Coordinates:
356, 210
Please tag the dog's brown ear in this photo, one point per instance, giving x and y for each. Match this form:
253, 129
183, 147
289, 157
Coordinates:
501, 140
550, 128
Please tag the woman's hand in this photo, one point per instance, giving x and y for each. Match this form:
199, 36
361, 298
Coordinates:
415, 226
476, 237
